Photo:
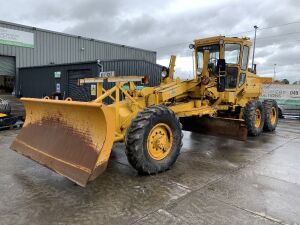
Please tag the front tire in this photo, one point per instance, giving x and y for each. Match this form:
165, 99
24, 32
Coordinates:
254, 117
154, 140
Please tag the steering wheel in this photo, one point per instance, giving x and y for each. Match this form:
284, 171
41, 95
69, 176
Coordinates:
213, 58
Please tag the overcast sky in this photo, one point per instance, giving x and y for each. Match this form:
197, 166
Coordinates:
169, 26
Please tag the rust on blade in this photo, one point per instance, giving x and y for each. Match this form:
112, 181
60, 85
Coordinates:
61, 148
67, 137
231, 128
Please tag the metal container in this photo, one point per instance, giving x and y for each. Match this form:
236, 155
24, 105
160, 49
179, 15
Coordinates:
61, 81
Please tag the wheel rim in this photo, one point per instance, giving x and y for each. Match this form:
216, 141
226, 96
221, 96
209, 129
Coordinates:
257, 118
273, 115
159, 142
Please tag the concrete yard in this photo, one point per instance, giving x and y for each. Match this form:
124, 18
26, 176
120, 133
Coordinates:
215, 181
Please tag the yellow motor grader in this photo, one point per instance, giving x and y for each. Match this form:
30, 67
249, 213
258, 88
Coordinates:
75, 139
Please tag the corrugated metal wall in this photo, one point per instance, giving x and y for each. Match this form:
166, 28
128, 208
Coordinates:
134, 67
54, 47
39, 81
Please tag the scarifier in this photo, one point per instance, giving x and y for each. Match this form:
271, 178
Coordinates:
75, 138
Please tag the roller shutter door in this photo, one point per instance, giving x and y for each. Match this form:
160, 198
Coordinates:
7, 66
79, 93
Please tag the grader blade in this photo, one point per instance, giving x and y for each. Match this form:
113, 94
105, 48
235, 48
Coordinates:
232, 128
72, 138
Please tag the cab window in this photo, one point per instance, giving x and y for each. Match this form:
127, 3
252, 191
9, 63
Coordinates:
242, 79
214, 55
232, 53
245, 57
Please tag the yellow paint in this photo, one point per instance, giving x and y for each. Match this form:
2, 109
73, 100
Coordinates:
257, 118
159, 141
266, 80
273, 115
3, 115
172, 66
170, 77
100, 89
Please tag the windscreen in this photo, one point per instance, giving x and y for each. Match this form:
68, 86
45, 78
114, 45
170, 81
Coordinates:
214, 54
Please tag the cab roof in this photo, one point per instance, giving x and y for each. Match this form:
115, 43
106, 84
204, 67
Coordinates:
218, 39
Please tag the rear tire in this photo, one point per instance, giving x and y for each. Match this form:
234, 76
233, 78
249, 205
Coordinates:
154, 140
5, 107
271, 115
254, 117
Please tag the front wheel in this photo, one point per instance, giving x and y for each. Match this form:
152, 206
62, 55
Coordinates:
154, 140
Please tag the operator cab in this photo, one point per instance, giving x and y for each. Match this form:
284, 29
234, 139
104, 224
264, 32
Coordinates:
232, 52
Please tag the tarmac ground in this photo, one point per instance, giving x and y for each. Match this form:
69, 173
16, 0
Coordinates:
214, 181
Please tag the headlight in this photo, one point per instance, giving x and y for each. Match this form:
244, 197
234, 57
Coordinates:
164, 73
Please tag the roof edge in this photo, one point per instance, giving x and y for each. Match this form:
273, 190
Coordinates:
71, 35
89, 62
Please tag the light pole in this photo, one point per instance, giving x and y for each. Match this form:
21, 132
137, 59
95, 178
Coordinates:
255, 29
274, 72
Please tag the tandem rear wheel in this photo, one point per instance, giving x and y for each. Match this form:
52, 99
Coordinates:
154, 140
260, 116
271, 115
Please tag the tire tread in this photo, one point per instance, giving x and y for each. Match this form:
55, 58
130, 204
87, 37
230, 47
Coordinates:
135, 139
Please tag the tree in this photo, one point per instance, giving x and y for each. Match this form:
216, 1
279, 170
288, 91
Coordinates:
285, 81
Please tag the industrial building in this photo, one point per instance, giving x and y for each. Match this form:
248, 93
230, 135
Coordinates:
24, 46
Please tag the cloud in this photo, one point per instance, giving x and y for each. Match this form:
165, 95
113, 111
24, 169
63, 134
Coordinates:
169, 26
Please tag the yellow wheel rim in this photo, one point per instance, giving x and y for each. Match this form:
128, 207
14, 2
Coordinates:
273, 115
159, 141
257, 118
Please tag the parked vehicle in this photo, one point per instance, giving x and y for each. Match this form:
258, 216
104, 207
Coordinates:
288, 109
6, 119
287, 97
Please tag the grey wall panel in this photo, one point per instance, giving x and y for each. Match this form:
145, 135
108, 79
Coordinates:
63, 48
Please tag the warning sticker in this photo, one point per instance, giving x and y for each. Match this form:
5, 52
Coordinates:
93, 90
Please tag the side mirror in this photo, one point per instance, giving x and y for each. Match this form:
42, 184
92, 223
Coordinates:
221, 83
221, 65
